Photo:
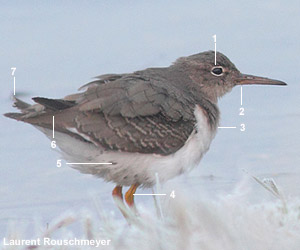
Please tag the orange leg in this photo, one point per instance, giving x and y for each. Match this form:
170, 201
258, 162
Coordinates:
117, 192
129, 197
118, 197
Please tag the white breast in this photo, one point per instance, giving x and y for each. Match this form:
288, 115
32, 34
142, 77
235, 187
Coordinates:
130, 168
190, 155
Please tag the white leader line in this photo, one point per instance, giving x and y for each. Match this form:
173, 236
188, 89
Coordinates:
226, 127
88, 163
150, 194
241, 96
53, 127
14, 85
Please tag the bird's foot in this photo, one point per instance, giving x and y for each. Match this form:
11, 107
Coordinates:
129, 199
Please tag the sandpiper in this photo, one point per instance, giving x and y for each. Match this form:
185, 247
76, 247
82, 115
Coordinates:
157, 120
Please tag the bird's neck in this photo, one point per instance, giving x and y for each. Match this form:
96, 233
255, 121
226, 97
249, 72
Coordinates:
185, 89
211, 110
198, 95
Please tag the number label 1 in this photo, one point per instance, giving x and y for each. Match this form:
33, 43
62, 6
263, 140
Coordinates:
58, 163
243, 127
215, 38
242, 111
53, 144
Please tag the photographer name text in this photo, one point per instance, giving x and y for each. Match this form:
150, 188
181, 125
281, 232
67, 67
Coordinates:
55, 242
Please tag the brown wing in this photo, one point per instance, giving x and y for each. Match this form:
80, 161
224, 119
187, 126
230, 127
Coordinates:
143, 134
130, 114
133, 96
133, 114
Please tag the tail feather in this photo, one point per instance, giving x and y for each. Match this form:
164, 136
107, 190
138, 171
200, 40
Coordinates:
43, 104
30, 113
54, 104
16, 116
21, 105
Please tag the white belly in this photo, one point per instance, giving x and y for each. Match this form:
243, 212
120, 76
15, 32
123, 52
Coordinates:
130, 168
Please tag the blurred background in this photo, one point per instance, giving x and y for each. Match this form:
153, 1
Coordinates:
57, 46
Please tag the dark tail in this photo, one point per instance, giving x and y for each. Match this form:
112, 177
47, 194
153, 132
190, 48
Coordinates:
34, 110
54, 104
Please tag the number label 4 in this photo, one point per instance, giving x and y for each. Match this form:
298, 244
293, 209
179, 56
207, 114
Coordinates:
172, 195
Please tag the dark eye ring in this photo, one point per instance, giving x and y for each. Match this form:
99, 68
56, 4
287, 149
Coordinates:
217, 71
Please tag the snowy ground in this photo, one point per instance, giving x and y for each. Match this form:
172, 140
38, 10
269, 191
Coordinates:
229, 222
57, 47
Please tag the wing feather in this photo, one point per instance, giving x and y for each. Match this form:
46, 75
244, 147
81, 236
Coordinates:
127, 113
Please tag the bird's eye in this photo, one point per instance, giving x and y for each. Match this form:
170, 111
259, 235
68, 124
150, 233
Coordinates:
217, 71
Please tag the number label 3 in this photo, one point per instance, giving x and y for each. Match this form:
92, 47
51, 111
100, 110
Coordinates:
243, 127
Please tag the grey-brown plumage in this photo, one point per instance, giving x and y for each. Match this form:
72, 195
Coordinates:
158, 120
149, 111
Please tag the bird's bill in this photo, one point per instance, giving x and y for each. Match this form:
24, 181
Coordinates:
250, 79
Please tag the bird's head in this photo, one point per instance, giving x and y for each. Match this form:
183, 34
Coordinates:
216, 80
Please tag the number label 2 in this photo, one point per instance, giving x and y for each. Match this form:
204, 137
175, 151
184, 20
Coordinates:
242, 111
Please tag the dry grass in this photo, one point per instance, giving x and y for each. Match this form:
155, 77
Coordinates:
192, 223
